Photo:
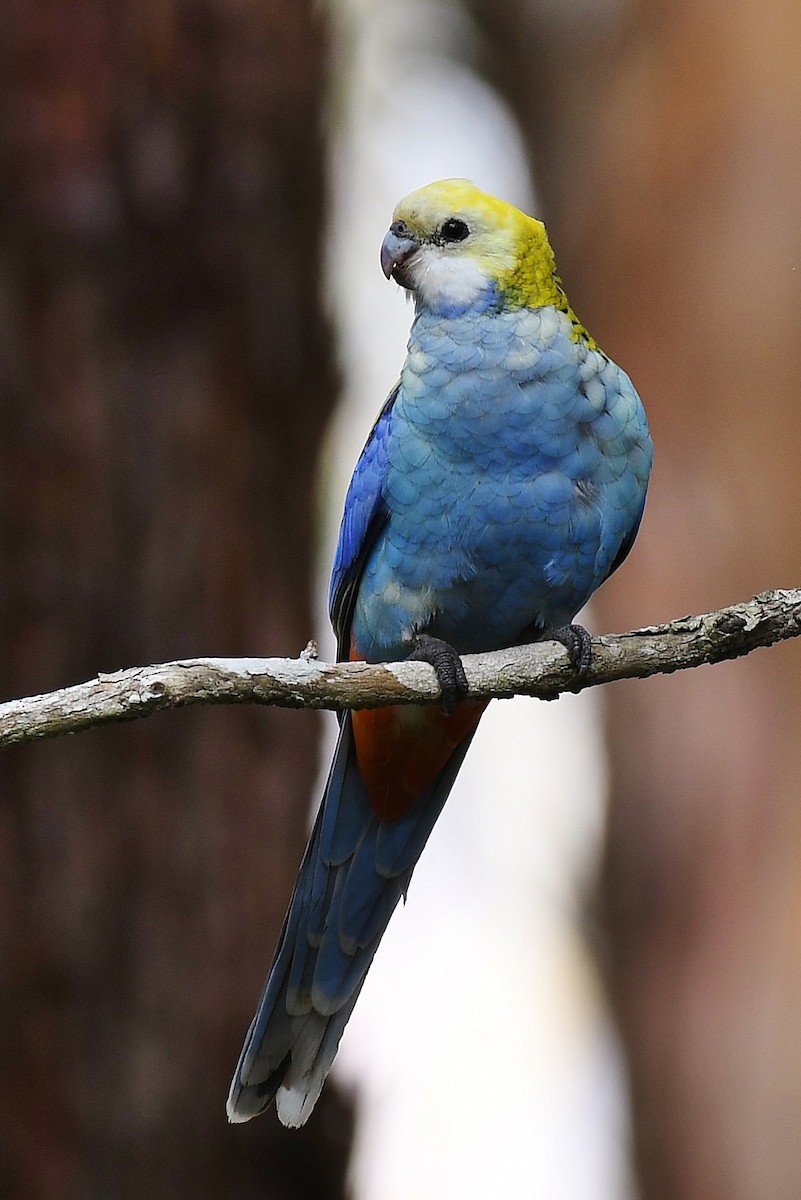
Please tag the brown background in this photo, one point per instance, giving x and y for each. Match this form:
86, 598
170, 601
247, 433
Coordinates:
165, 377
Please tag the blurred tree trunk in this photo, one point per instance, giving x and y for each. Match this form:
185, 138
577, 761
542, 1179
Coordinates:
165, 374
670, 168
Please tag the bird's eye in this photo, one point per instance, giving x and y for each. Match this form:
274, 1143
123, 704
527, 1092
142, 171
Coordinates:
453, 230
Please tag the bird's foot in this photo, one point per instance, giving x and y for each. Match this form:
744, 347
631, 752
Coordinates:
576, 641
448, 667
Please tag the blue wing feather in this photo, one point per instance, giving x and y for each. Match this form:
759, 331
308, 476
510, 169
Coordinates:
363, 516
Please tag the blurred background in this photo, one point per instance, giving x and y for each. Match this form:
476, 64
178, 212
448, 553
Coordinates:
593, 991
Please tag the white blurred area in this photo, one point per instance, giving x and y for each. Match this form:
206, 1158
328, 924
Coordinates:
480, 1051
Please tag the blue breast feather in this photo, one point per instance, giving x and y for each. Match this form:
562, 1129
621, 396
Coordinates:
500, 486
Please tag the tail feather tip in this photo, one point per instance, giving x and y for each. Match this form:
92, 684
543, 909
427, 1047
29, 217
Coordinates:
294, 1105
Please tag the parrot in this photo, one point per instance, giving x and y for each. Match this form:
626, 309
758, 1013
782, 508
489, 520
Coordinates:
503, 481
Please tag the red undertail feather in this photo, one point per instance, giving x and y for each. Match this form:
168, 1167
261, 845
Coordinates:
401, 750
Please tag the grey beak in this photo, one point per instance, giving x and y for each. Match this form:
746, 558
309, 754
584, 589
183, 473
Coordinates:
395, 251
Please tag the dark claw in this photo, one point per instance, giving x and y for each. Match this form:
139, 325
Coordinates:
447, 665
576, 641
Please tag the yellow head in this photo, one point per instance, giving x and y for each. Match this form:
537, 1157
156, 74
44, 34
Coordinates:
453, 246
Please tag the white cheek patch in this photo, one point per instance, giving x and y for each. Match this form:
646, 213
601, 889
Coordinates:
446, 281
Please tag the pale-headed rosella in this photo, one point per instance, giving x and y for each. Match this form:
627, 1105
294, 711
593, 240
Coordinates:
502, 483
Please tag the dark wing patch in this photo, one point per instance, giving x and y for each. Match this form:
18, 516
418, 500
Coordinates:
627, 543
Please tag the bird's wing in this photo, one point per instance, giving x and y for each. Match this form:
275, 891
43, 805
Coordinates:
362, 520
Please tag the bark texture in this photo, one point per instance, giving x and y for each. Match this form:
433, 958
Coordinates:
670, 171
165, 374
542, 669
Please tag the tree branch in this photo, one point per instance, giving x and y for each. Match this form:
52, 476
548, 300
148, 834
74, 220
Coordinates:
540, 670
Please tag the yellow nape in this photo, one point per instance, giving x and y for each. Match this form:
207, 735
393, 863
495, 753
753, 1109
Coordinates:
510, 247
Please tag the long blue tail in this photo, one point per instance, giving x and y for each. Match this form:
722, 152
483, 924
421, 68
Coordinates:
354, 872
